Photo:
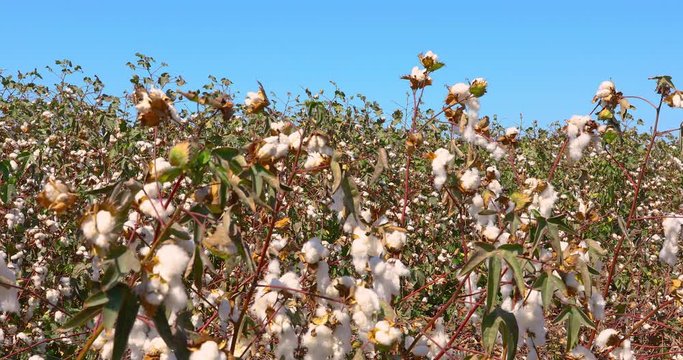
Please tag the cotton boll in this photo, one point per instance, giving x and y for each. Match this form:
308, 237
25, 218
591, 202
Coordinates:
385, 334
387, 277
314, 251
607, 337
421, 349
208, 351
530, 321
460, 91
604, 90
395, 239
342, 335
8, 295
470, 180
441, 158
98, 228
672, 232
172, 262
581, 353
176, 298
318, 341
438, 339
366, 300
313, 160
596, 305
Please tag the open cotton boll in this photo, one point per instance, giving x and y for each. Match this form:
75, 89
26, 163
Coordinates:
362, 247
274, 147
98, 228
367, 300
172, 261
672, 232
314, 251
470, 179
604, 89
438, 339
581, 353
387, 277
395, 239
596, 305
342, 335
606, 338
208, 351
385, 334
318, 341
288, 341
313, 160
460, 91
530, 321
441, 158
421, 349
8, 295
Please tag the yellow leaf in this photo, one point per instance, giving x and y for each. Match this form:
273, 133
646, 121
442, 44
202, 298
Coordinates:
282, 223
521, 200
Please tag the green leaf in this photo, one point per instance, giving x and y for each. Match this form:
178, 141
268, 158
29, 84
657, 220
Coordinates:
511, 259
575, 318
97, 299
82, 317
128, 311
504, 322
115, 297
483, 252
174, 342
585, 278
493, 283
170, 174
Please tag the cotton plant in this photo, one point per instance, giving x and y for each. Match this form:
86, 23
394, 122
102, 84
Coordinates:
326, 230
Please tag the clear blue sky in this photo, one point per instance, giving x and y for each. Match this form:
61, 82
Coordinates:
544, 59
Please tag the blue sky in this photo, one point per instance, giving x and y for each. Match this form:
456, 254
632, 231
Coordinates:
542, 59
